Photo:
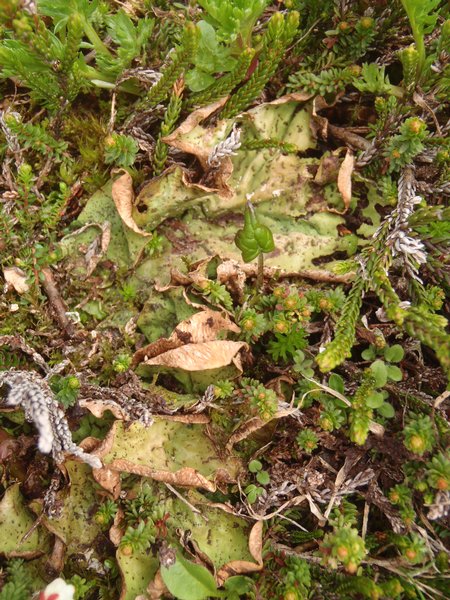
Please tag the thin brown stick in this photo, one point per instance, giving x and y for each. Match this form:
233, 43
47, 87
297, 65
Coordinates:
57, 302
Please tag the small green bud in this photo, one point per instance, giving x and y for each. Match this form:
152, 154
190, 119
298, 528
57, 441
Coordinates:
326, 424
366, 22
293, 20
121, 363
277, 19
73, 383
379, 341
355, 70
409, 57
248, 324
443, 156
421, 486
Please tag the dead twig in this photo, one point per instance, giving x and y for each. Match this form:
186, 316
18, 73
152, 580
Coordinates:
57, 303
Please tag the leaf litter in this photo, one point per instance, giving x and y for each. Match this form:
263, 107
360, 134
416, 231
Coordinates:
168, 455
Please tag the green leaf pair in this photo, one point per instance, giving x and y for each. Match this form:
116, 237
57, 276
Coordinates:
254, 239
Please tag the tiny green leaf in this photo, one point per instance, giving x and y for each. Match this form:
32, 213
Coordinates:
369, 353
394, 373
386, 410
380, 372
336, 383
263, 477
255, 466
375, 400
394, 353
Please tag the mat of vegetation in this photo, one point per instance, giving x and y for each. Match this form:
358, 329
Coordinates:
224, 233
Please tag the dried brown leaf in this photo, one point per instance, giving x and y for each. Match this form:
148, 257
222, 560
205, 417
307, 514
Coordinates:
344, 180
109, 479
55, 562
231, 274
328, 170
15, 279
99, 407
116, 531
204, 326
175, 139
201, 357
254, 424
123, 197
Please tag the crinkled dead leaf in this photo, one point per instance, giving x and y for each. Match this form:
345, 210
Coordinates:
186, 136
204, 326
55, 562
201, 357
123, 195
15, 279
231, 274
344, 180
99, 407
328, 169
117, 529
244, 430
169, 451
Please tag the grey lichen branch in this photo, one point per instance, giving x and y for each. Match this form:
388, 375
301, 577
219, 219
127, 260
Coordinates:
228, 147
410, 250
32, 393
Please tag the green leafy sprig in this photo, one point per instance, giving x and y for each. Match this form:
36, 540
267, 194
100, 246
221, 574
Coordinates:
279, 34
170, 118
179, 60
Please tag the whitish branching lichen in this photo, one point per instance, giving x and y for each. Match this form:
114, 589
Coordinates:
392, 241
226, 148
26, 389
410, 250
